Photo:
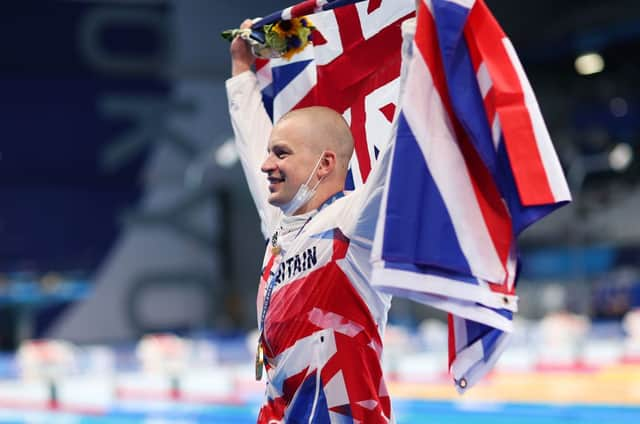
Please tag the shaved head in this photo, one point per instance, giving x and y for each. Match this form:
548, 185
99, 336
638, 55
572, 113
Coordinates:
324, 129
310, 146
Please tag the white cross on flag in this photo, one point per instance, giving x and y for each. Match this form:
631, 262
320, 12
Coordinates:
352, 66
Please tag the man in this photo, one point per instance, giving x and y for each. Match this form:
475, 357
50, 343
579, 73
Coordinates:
321, 322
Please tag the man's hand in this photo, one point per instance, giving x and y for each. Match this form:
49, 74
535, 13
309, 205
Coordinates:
241, 56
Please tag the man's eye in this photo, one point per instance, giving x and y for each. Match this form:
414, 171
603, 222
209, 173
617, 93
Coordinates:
281, 155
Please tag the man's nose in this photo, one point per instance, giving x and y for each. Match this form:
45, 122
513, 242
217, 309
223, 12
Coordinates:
268, 165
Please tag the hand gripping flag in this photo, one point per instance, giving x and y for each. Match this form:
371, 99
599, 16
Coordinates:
352, 66
472, 166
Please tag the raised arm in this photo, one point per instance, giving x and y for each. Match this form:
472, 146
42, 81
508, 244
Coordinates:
251, 127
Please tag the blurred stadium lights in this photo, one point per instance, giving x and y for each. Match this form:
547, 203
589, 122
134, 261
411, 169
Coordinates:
617, 159
589, 63
226, 155
619, 107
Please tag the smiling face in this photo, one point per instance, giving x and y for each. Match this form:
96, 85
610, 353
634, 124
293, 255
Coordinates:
312, 144
291, 159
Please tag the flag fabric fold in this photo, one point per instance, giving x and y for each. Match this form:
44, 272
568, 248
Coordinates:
473, 165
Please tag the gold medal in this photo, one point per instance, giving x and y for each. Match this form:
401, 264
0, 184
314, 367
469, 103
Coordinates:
275, 247
259, 362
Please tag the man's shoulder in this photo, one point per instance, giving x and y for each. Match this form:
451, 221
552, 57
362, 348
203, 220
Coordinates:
335, 212
343, 201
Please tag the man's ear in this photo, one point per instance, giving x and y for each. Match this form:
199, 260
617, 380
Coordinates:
327, 163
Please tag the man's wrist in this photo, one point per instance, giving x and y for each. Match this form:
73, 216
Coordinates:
238, 68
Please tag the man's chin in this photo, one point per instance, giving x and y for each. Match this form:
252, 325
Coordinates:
275, 201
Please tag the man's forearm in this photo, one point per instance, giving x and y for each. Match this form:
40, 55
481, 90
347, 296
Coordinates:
238, 67
241, 56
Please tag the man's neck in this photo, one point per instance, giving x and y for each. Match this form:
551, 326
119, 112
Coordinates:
318, 202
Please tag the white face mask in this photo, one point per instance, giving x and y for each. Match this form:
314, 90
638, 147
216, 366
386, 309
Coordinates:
304, 193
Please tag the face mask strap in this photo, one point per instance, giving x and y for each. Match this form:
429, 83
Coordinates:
304, 193
317, 184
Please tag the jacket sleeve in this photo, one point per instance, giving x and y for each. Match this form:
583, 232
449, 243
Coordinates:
251, 127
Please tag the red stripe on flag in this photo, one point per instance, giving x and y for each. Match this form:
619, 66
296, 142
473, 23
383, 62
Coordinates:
452, 340
317, 38
291, 384
362, 59
310, 99
494, 211
261, 63
519, 137
349, 26
305, 8
373, 6
358, 130
388, 110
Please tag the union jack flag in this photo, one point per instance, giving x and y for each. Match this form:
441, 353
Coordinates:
309, 7
470, 136
352, 66
473, 145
